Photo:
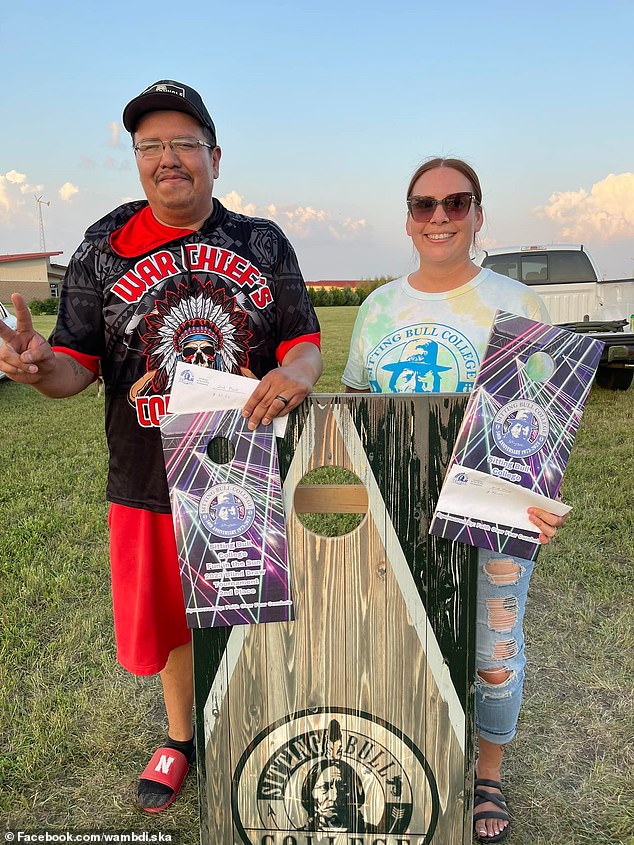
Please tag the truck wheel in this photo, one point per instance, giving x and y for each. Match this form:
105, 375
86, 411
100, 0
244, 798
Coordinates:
614, 378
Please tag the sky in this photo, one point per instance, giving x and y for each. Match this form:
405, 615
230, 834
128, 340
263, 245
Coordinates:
324, 110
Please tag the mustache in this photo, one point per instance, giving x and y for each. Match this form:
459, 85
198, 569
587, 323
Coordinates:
173, 171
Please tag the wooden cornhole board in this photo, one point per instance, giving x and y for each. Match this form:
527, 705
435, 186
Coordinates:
352, 725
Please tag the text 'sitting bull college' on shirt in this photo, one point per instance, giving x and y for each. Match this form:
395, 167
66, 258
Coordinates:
410, 341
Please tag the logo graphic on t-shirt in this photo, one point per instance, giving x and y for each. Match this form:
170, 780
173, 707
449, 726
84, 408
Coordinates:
520, 428
205, 328
423, 358
226, 510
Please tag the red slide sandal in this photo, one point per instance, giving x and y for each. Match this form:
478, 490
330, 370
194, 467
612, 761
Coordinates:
168, 767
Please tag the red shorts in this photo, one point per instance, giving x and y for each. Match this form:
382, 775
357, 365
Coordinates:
147, 598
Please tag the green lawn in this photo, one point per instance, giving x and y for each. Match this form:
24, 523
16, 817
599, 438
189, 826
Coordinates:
76, 729
336, 325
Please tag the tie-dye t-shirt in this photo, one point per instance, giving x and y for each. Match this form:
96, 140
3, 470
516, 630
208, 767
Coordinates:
408, 341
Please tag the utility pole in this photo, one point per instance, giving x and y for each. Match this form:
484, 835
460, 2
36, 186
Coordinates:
40, 202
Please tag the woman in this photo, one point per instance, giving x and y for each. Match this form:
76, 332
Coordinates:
441, 316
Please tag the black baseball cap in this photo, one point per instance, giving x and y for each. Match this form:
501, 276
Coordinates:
167, 95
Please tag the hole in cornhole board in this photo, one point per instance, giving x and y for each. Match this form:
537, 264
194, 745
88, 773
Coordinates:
540, 366
331, 501
220, 450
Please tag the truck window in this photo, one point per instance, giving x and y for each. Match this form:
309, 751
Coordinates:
534, 269
554, 267
570, 266
506, 265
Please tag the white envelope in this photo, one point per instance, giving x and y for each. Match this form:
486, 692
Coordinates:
197, 389
475, 495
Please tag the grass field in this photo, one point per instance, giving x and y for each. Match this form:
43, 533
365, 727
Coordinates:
76, 729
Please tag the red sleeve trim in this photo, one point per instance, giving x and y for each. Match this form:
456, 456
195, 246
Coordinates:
287, 345
90, 362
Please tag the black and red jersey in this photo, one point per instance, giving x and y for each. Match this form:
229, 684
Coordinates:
138, 297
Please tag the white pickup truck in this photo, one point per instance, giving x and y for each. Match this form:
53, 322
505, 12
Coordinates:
567, 279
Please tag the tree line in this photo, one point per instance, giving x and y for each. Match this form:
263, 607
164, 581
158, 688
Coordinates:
321, 297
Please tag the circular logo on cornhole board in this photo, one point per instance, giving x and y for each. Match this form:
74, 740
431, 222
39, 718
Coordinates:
520, 428
333, 770
226, 510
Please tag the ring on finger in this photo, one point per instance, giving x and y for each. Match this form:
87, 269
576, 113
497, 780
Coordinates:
283, 400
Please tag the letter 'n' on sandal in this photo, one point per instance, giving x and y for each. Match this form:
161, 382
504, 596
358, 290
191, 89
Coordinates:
168, 766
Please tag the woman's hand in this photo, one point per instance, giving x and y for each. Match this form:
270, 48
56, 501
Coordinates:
547, 523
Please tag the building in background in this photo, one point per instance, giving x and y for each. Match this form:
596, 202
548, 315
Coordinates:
329, 284
32, 274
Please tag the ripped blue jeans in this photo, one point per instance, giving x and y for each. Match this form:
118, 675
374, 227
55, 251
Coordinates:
502, 590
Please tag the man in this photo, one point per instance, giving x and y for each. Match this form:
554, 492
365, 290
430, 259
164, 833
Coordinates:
418, 370
517, 437
175, 277
332, 796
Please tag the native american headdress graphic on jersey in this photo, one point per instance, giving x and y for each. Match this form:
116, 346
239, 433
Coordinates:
203, 328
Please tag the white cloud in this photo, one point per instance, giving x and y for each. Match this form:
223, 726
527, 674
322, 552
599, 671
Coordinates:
234, 202
302, 220
605, 213
67, 191
114, 129
13, 188
299, 222
486, 242
348, 229
5, 201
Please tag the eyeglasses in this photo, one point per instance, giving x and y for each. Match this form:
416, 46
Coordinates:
456, 206
179, 146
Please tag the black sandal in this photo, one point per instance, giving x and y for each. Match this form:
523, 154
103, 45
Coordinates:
481, 796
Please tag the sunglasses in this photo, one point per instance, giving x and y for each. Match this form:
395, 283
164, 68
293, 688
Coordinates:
456, 206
